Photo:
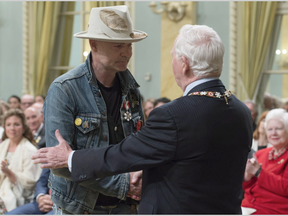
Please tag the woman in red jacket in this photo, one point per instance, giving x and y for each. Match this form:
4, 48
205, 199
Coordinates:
266, 175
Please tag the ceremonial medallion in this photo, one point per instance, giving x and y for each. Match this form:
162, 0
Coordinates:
127, 114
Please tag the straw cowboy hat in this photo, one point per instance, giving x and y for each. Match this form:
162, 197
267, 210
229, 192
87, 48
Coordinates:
111, 24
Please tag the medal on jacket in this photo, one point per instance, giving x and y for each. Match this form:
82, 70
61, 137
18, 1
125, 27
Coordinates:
37, 140
139, 125
134, 101
127, 114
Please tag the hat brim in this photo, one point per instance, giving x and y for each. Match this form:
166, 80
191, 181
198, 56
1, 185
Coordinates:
102, 37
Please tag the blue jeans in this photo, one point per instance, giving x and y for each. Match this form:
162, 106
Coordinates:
120, 209
28, 209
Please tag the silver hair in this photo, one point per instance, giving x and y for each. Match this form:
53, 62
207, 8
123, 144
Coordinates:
277, 114
39, 113
249, 101
203, 48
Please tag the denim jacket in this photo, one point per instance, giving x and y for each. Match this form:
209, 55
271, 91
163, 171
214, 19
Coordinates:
75, 106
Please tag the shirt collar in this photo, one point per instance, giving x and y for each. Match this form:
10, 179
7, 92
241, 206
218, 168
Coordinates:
198, 82
39, 129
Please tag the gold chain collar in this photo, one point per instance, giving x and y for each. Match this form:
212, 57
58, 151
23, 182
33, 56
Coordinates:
211, 94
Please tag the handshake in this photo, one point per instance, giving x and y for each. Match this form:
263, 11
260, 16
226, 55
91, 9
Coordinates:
57, 157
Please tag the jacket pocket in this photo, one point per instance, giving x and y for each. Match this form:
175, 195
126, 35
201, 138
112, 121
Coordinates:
88, 130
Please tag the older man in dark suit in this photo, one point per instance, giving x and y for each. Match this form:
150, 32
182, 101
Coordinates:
42, 203
192, 150
34, 118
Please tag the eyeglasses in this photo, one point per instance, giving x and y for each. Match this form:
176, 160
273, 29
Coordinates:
27, 103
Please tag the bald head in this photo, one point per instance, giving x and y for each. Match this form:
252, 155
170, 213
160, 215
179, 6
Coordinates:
33, 118
253, 109
39, 107
26, 101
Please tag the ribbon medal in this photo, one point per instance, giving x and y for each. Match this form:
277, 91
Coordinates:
127, 114
139, 125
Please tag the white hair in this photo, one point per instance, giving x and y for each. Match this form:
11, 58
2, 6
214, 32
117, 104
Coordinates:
277, 114
202, 47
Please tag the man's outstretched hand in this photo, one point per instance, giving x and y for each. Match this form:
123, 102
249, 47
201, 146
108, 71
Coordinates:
53, 157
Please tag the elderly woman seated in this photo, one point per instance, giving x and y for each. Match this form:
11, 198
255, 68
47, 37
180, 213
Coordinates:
266, 175
18, 174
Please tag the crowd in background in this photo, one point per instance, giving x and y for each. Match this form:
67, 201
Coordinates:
22, 132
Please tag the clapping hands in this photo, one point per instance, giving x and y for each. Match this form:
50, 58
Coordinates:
252, 166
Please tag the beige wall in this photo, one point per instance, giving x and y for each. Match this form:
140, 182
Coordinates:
284, 45
169, 32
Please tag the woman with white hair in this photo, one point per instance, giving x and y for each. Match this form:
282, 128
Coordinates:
266, 175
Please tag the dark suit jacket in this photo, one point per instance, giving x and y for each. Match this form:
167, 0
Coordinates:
42, 183
192, 151
40, 139
33, 208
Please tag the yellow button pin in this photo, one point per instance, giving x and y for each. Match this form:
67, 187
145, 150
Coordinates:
78, 121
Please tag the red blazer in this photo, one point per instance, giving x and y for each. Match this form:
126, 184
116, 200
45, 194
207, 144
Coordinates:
268, 193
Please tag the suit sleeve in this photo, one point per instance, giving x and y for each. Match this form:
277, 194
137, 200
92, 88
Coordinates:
42, 183
153, 145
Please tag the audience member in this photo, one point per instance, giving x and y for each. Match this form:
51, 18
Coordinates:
266, 175
192, 150
42, 203
39, 106
260, 140
285, 106
148, 106
40, 99
160, 101
34, 121
4, 107
253, 109
26, 101
80, 100
18, 174
14, 102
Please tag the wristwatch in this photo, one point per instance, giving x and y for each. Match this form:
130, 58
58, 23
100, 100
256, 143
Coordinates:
258, 172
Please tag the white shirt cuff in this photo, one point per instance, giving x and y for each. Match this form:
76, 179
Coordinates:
40, 194
70, 161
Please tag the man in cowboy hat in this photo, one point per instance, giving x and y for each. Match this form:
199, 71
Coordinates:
192, 150
97, 104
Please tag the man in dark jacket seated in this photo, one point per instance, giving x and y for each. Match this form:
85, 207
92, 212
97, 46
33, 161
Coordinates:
42, 203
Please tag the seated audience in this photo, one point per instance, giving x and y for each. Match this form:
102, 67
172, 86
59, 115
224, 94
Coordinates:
14, 102
4, 107
42, 203
26, 101
253, 109
39, 106
285, 106
161, 101
18, 174
259, 136
40, 98
148, 106
34, 121
266, 175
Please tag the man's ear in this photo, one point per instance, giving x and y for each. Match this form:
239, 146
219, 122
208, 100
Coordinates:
93, 45
185, 65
